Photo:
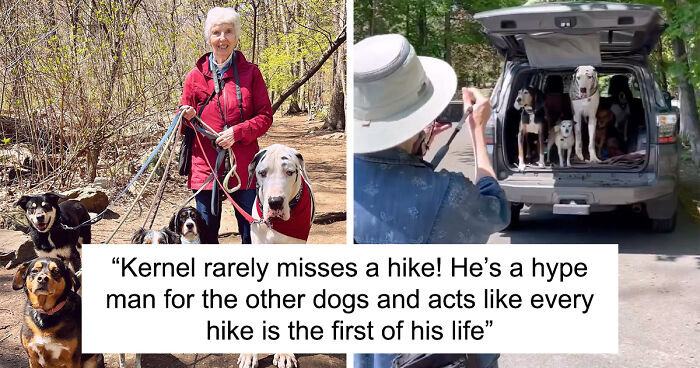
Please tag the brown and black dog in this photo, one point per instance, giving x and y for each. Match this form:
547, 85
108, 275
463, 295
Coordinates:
51, 332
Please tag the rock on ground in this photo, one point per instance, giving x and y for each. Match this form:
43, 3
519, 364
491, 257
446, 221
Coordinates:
15, 248
95, 199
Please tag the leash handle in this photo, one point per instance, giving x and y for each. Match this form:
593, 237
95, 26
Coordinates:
243, 213
443, 150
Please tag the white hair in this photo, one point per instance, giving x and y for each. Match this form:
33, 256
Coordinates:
219, 15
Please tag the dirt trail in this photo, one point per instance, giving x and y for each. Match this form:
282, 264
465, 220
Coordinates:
324, 154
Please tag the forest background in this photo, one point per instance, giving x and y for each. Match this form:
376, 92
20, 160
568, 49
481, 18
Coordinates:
87, 87
446, 29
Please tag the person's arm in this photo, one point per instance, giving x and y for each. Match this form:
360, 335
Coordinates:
481, 110
249, 130
188, 100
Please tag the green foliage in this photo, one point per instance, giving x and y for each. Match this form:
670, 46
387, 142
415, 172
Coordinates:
461, 42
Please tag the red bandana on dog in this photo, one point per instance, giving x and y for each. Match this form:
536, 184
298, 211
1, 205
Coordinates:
299, 223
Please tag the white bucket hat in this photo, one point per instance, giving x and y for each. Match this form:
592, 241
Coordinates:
396, 92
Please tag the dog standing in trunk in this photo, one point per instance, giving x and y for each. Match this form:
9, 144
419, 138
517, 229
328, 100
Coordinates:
584, 103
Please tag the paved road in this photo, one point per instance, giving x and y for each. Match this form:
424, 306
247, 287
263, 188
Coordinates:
659, 279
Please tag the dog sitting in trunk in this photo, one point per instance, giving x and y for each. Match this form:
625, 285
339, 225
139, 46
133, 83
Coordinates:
530, 103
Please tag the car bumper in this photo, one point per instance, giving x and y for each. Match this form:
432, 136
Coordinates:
549, 194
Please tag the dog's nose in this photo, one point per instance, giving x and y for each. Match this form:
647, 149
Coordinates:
518, 99
40, 217
583, 89
275, 203
189, 226
42, 279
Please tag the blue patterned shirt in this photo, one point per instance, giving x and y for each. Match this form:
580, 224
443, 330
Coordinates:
399, 198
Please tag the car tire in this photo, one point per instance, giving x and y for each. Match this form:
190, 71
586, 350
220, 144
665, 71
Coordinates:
514, 215
666, 225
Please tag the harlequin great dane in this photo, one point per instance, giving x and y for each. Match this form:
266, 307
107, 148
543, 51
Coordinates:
284, 207
584, 103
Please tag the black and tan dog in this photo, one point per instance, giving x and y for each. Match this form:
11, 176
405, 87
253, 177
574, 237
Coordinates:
51, 333
530, 103
47, 219
189, 224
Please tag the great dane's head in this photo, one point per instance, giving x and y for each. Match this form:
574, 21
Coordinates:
585, 80
41, 210
529, 99
278, 170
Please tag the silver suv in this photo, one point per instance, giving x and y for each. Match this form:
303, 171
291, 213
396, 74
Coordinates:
542, 45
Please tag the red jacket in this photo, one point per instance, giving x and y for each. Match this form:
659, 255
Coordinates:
257, 114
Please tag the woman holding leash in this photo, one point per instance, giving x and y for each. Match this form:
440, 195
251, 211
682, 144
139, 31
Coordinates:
229, 94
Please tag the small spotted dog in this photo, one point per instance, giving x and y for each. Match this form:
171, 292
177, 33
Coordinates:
162, 236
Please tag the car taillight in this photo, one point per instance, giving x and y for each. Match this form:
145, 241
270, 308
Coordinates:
490, 129
667, 127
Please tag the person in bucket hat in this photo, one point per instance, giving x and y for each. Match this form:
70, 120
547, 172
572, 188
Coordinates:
399, 198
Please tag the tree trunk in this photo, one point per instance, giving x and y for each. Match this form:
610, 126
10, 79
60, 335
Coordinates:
448, 34
310, 73
336, 112
689, 109
254, 4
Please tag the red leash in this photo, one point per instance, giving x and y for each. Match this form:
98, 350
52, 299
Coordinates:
245, 214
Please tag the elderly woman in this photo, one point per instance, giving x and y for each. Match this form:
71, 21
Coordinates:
229, 95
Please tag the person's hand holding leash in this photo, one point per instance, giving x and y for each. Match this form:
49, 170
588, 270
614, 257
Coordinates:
226, 140
188, 112
481, 111
480, 105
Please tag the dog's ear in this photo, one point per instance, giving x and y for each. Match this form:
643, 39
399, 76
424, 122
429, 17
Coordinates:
72, 279
557, 128
253, 164
302, 166
53, 198
20, 276
200, 223
173, 221
137, 238
22, 202
172, 237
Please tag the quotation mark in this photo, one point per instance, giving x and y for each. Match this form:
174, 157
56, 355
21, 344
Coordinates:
115, 260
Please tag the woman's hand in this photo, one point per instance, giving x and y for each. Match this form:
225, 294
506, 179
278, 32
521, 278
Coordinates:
189, 112
481, 108
226, 140
481, 111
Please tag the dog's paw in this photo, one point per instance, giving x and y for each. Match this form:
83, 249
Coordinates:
282, 360
594, 159
540, 163
247, 360
521, 166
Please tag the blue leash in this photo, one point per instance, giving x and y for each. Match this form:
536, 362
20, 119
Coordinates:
143, 168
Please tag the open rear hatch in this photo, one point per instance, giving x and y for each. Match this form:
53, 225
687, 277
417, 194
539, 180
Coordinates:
572, 34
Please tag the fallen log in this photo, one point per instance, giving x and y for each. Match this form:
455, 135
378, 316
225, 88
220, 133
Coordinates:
326, 218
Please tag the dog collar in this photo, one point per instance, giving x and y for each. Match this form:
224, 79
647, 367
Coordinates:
300, 210
53, 310
295, 201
